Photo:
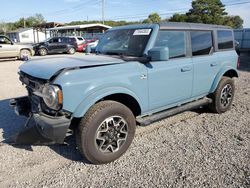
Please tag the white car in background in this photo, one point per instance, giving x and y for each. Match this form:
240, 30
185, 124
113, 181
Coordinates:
79, 40
93, 44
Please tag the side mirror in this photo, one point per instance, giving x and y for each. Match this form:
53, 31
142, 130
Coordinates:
159, 54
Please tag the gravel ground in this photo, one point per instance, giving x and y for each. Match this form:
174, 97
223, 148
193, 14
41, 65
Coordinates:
192, 149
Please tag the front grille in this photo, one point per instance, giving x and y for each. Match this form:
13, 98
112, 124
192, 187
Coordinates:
34, 84
31, 82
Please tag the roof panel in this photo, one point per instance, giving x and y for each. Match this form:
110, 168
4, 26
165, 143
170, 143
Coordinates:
191, 26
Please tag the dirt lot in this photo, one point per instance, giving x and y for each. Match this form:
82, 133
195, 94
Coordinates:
193, 149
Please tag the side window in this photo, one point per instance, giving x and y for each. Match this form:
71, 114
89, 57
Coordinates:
174, 40
202, 42
4, 40
225, 40
54, 40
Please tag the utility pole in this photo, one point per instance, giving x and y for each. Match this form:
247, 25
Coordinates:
103, 11
24, 23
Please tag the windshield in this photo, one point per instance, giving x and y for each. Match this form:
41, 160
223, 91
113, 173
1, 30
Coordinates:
128, 42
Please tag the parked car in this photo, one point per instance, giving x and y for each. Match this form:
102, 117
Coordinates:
9, 49
79, 40
141, 74
92, 42
56, 45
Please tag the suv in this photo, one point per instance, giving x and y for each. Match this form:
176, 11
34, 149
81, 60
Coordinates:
56, 45
9, 49
140, 74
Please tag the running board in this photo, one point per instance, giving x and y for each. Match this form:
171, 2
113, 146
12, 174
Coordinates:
143, 121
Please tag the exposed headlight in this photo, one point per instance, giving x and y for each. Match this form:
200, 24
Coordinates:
52, 96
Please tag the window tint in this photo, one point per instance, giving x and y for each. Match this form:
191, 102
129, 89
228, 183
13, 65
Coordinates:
54, 40
202, 42
71, 40
174, 40
225, 39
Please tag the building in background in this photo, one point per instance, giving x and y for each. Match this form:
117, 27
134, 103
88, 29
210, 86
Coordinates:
88, 31
26, 35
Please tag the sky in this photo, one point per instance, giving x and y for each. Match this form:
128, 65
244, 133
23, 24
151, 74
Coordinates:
131, 10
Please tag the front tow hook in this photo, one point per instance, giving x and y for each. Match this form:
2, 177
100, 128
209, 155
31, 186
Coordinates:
12, 102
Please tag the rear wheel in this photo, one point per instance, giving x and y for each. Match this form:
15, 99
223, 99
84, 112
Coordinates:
72, 51
105, 132
25, 54
223, 96
43, 52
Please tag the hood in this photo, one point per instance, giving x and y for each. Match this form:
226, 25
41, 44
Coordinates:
45, 68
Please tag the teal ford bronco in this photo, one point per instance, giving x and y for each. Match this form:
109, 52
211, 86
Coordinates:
140, 74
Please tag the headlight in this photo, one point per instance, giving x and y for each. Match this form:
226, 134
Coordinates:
52, 97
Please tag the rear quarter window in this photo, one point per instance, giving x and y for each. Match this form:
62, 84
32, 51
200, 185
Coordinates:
225, 39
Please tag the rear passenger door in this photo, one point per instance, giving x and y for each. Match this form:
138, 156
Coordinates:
204, 60
62, 44
170, 82
53, 45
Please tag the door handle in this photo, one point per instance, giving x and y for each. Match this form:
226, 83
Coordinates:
213, 64
186, 69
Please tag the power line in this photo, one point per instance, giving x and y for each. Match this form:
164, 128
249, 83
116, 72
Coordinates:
183, 10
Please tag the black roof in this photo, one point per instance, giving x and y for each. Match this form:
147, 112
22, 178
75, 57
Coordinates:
191, 26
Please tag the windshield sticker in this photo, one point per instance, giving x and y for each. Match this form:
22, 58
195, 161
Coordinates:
142, 32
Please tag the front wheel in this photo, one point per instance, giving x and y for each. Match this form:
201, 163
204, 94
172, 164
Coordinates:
223, 96
43, 52
105, 132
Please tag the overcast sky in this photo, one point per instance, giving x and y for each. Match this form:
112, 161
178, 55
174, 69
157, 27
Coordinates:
72, 10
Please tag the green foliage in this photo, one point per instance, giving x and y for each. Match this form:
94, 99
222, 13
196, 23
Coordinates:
178, 18
208, 12
153, 18
233, 21
30, 21
22, 23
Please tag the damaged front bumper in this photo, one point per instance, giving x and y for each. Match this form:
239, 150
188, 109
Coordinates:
40, 128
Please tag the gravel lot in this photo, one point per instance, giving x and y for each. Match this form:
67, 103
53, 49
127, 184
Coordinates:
192, 149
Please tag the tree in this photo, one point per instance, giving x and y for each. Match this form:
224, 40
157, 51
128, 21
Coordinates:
153, 18
3, 27
178, 18
30, 21
208, 12
233, 21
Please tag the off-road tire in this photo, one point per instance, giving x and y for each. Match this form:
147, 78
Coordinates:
216, 106
43, 52
88, 126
